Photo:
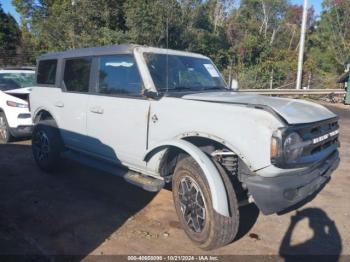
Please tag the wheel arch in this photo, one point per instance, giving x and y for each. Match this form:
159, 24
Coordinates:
42, 114
193, 137
215, 182
202, 141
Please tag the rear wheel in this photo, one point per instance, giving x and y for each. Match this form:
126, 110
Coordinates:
5, 135
47, 145
193, 204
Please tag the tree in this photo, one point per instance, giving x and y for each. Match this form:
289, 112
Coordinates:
10, 36
333, 32
154, 22
328, 46
64, 24
255, 41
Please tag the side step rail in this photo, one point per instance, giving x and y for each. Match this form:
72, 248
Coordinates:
145, 182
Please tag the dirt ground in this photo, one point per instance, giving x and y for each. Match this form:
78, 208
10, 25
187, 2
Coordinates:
82, 211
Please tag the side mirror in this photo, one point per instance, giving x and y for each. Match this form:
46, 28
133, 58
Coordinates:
234, 85
150, 94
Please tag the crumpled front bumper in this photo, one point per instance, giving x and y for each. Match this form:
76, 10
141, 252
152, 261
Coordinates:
275, 194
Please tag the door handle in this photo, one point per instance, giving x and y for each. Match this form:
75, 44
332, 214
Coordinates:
59, 104
96, 110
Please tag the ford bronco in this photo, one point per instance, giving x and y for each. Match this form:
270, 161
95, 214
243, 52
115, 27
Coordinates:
169, 117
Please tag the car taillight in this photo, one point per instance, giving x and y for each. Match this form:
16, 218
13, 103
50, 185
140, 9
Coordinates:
15, 104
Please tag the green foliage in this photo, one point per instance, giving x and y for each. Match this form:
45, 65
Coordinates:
64, 24
147, 22
10, 36
255, 41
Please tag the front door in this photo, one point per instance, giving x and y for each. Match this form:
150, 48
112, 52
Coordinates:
117, 113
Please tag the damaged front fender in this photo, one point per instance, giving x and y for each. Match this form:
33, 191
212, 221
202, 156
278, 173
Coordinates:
216, 185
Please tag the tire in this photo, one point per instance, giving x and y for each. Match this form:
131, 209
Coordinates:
5, 135
47, 145
214, 230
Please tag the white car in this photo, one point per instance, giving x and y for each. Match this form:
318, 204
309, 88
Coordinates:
15, 118
168, 117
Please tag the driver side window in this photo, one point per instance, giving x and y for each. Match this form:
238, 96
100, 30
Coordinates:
119, 75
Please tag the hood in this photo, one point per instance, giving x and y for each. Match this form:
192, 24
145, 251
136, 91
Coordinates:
294, 111
25, 90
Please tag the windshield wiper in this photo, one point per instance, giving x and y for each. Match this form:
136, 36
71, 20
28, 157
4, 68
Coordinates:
193, 88
214, 88
178, 88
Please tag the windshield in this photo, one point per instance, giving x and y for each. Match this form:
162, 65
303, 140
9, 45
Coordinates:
12, 80
182, 73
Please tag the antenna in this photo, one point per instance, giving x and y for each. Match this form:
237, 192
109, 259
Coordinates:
167, 49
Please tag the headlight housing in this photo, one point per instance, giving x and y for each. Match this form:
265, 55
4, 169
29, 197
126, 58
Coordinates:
286, 147
292, 148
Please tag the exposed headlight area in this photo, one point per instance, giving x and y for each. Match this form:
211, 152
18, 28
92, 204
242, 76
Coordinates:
286, 147
301, 145
293, 147
15, 104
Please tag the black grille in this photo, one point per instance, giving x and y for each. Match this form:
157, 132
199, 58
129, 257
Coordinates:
315, 131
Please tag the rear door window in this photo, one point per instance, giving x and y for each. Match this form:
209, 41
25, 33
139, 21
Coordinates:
77, 74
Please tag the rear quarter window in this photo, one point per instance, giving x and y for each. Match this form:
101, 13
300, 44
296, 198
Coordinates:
47, 72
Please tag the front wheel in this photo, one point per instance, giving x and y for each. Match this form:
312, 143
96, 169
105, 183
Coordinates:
193, 204
46, 145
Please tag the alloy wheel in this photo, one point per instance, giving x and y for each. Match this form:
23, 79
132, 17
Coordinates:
3, 128
42, 147
192, 204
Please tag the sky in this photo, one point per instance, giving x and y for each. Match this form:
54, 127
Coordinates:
9, 8
317, 4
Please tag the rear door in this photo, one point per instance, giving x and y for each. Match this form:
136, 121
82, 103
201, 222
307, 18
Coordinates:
72, 103
117, 114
